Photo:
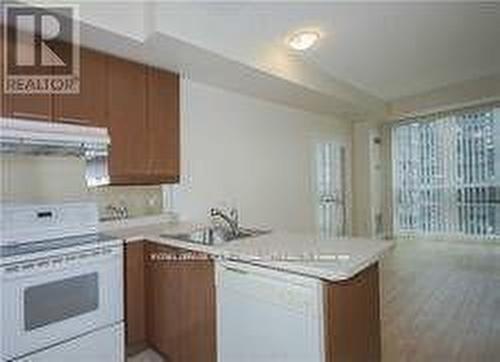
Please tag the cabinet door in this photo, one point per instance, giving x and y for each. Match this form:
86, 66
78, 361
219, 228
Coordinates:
36, 107
127, 121
352, 318
135, 322
2, 72
181, 306
29, 106
89, 106
163, 125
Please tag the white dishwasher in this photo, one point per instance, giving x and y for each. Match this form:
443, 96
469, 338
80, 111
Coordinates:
264, 315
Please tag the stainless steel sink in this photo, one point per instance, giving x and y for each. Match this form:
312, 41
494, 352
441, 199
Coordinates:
213, 236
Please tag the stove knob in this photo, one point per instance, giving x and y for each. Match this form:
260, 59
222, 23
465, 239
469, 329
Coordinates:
43, 264
12, 269
57, 260
28, 266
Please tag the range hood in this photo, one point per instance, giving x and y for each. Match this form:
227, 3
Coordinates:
19, 136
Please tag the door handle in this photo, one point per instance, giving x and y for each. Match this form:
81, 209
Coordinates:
329, 199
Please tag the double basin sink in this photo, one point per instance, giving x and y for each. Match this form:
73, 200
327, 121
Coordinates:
214, 236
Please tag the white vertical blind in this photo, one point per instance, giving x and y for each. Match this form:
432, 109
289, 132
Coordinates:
447, 173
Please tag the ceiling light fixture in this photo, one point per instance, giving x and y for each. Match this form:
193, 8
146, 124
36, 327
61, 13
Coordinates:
303, 40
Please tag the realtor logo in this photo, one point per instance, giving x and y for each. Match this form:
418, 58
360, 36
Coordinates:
41, 53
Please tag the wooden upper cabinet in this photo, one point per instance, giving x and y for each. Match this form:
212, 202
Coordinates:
163, 125
138, 104
89, 107
128, 162
28, 106
2, 111
143, 119
36, 107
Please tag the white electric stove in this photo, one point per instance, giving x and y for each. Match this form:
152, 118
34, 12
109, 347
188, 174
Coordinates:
61, 285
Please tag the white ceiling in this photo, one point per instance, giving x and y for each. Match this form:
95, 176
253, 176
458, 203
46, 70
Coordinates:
388, 50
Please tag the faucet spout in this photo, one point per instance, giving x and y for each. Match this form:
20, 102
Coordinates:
231, 219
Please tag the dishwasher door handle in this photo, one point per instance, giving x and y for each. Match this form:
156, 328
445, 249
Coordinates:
234, 270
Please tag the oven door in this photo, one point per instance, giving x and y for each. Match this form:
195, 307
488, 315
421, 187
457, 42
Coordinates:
48, 301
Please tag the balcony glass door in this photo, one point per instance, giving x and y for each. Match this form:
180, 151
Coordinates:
447, 174
330, 189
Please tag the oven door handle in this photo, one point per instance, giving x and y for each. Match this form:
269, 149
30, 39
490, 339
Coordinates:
59, 262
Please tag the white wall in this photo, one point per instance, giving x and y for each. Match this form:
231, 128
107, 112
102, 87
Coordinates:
361, 181
454, 96
372, 180
252, 154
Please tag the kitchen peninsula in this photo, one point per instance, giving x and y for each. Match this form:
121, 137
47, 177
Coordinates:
341, 276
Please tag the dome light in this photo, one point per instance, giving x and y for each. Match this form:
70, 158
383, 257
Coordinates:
303, 40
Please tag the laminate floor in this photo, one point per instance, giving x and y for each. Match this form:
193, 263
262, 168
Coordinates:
441, 302
147, 355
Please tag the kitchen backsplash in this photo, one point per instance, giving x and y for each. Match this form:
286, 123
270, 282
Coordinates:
57, 179
139, 200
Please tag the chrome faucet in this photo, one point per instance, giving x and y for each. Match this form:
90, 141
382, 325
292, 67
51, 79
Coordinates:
230, 218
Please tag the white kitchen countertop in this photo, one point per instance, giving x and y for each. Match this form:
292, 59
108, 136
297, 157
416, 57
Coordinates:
330, 259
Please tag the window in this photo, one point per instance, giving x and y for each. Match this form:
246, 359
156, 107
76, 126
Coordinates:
447, 173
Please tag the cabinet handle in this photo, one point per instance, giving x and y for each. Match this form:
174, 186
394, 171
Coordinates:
29, 116
72, 120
